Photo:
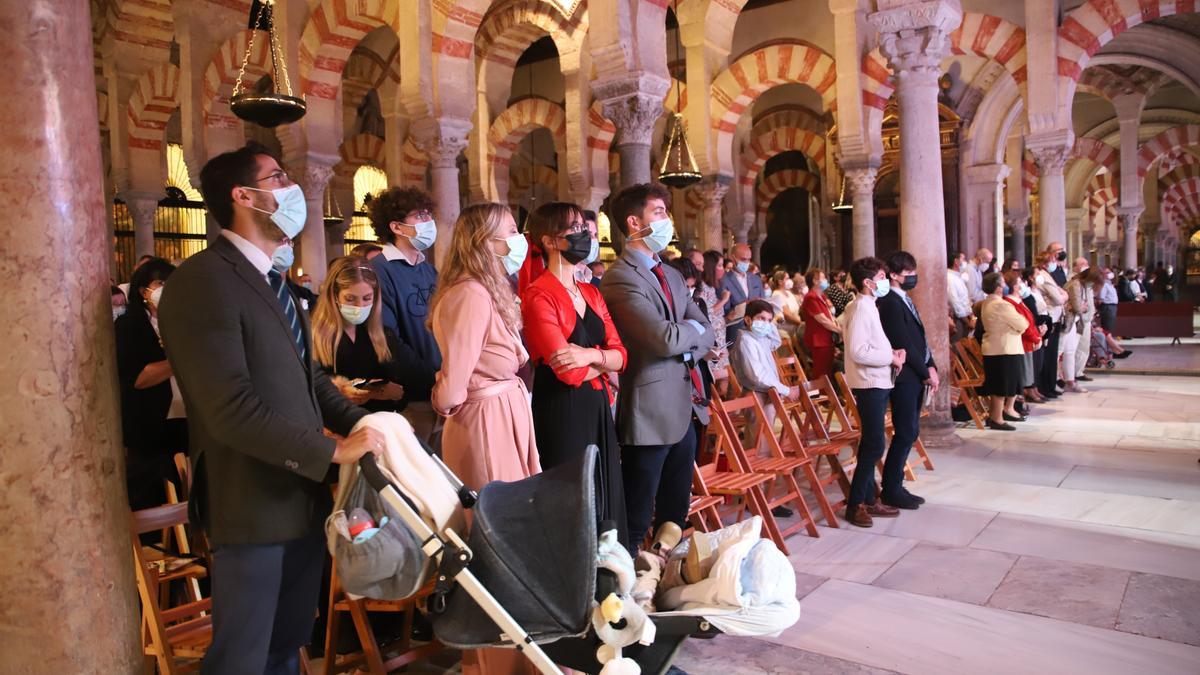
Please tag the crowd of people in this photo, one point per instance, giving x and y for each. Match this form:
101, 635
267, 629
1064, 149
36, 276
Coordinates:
522, 350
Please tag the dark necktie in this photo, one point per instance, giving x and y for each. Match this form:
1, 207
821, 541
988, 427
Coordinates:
698, 393
284, 298
912, 308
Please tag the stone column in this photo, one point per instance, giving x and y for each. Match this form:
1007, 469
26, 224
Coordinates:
914, 37
634, 104
443, 140
313, 258
1052, 204
1160, 247
1130, 215
66, 569
1149, 231
983, 224
142, 207
713, 191
860, 181
1018, 223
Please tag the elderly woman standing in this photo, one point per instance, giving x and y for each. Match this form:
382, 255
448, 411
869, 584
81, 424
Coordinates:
1003, 354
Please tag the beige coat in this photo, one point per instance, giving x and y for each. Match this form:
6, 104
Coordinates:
868, 350
1002, 328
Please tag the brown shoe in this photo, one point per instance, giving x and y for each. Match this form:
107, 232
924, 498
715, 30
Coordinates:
881, 510
858, 516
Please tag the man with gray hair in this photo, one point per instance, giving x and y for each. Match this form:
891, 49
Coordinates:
742, 285
975, 270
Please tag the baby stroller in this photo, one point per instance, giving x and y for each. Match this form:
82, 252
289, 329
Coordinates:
527, 575
1100, 355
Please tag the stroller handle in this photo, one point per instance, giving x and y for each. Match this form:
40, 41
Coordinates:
371, 472
380, 482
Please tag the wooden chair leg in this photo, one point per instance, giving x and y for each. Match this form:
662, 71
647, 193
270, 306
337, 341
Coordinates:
919, 446
819, 491
366, 637
331, 628
759, 504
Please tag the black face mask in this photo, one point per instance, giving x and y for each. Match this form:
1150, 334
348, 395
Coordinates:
579, 246
909, 283
1062, 255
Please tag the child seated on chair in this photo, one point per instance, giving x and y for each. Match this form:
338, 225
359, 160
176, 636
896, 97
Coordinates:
753, 360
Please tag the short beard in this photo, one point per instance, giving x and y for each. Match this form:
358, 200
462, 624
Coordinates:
267, 227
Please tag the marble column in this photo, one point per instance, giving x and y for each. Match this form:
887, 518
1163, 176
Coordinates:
860, 182
66, 567
634, 104
1052, 203
1018, 223
914, 37
1130, 216
142, 207
983, 226
1160, 247
1149, 231
443, 140
713, 191
313, 258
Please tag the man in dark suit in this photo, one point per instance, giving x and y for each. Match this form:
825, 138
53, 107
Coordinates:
241, 352
905, 330
743, 286
665, 334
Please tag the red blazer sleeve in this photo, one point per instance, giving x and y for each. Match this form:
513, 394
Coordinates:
612, 340
544, 327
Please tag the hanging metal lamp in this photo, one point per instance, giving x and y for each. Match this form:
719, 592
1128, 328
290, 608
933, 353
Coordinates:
842, 204
678, 168
277, 105
333, 212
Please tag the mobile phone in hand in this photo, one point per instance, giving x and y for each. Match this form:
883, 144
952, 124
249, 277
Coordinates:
367, 384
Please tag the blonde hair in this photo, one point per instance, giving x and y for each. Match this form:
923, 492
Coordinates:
328, 326
471, 257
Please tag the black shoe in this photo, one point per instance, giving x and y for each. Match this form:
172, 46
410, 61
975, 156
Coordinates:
918, 498
675, 671
1018, 418
901, 501
1123, 355
1084, 378
782, 512
1060, 383
1000, 426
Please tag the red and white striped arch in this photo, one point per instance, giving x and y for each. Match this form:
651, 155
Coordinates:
779, 140
222, 73
600, 133
1029, 174
1097, 152
678, 91
1175, 138
509, 28
454, 24
146, 23
414, 163
692, 206
542, 175
1181, 201
736, 88
980, 34
333, 29
154, 99
357, 151
772, 186
1175, 159
514, 124
1104, 190
1095, 23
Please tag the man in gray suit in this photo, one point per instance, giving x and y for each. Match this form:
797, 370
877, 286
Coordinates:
742, 286
241, 352
665, 333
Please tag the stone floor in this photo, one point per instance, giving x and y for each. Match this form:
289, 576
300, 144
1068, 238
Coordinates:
1071, 545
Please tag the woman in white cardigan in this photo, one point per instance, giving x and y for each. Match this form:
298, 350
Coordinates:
871, 365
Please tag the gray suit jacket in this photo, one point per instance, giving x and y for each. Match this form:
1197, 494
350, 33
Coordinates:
654, 405
737, 298
255, 408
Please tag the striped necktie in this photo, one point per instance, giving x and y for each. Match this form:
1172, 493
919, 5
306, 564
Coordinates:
288, 306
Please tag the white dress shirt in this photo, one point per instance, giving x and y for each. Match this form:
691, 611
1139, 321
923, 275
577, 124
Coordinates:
392, 252
753, 361
957, 295
259, 260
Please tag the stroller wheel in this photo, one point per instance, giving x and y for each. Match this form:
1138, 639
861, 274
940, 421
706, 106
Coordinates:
1110, 365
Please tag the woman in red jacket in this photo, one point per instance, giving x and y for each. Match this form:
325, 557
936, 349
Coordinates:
571, 338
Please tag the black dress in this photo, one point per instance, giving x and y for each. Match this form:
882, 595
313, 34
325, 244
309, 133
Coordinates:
567, 419
356, 359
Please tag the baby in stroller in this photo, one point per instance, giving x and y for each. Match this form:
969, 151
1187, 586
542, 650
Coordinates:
1104, 349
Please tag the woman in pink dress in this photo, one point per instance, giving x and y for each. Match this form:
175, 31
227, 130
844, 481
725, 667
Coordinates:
476, 321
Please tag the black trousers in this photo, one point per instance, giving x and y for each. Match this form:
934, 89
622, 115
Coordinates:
1108, 317
906, 401
264, 602
658, 483
872, 408
1048, 375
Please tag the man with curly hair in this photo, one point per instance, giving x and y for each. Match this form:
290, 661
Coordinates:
403, 221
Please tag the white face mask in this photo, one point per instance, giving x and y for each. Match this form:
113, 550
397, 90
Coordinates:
518, 247
156, 296
291, 210
761, 328
425, 236
354, 314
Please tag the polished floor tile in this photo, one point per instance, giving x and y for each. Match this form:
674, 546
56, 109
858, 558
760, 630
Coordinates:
934, 523
1085, 594
847, 553
745, 656
1167, 484
963, 574
1162, 607
911, 633
1116, 547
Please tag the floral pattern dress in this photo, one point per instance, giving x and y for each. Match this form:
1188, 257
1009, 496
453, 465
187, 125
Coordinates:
717, 320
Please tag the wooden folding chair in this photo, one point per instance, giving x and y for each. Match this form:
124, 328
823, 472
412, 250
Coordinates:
374, 658
805, 432
703, 511
889, 430
966, 378
175, 637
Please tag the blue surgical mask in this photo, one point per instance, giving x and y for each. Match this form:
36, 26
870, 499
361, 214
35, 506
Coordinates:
882, 287
425, 236
593, 254
354, 314
518, 247
823, 285
1025, 291
291, 210
761, 328
283, 257
1051, 266
661, 233
743, 267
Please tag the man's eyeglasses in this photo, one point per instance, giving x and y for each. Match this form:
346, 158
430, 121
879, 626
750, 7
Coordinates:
418, 216
280, 176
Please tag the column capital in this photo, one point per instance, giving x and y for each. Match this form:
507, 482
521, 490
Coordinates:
914, 34
986, 174
318, 171
1051, 159
442, 138
1128, 213
1017, 222
861, 179
634, 103
142, 205
714, 188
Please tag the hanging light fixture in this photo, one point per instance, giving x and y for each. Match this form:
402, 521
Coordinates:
842, 204
276, 106
333, 212
678, 168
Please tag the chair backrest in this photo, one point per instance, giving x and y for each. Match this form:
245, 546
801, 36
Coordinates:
730, 441
851, 403
822, 389
159, 517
